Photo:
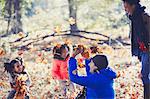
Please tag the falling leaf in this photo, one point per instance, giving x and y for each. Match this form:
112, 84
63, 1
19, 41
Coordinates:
2, 52
57, 29
21, 34
72, 21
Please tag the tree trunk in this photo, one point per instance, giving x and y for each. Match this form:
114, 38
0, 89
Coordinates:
16, 23
8, 13
13, 16
73, 14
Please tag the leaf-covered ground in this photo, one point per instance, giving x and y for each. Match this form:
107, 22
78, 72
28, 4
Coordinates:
38, 62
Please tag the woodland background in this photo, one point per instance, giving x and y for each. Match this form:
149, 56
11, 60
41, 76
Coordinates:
31, 28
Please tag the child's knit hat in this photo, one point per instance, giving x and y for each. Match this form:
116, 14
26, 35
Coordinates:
100, 61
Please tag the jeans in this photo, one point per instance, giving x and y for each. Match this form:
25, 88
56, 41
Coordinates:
12, 94
145, 59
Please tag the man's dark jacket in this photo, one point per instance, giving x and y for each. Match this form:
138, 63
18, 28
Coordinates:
140, 30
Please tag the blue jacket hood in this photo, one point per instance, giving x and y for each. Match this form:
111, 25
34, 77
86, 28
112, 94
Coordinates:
108, 72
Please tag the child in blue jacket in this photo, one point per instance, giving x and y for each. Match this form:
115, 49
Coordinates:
99, 83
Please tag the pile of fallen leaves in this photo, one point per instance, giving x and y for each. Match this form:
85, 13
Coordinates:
39, 63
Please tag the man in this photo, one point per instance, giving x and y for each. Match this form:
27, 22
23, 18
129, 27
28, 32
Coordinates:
140, 39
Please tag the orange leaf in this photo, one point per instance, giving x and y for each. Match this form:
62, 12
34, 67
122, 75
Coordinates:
2, 52
45, 61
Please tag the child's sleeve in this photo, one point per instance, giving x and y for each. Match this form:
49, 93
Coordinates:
87, 81
10, 78
11, 81
28, 81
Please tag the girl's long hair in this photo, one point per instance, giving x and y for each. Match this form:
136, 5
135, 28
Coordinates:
9, 66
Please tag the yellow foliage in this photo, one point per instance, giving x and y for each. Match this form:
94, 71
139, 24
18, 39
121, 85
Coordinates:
21, 35
57, 29
22, 77
72, 21
21, 87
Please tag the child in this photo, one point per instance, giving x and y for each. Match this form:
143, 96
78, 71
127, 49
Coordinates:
15, 70
61, 56
60, 69
99, 83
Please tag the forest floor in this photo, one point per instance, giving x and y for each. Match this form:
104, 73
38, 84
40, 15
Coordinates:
38, 62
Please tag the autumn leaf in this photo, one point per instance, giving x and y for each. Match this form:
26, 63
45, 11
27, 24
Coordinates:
45, 61
21, 35
117, 65
2, 52
118, 74
58, 45
39, 60
81, 63
68, 41
22, 77
57, 29
72, 21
